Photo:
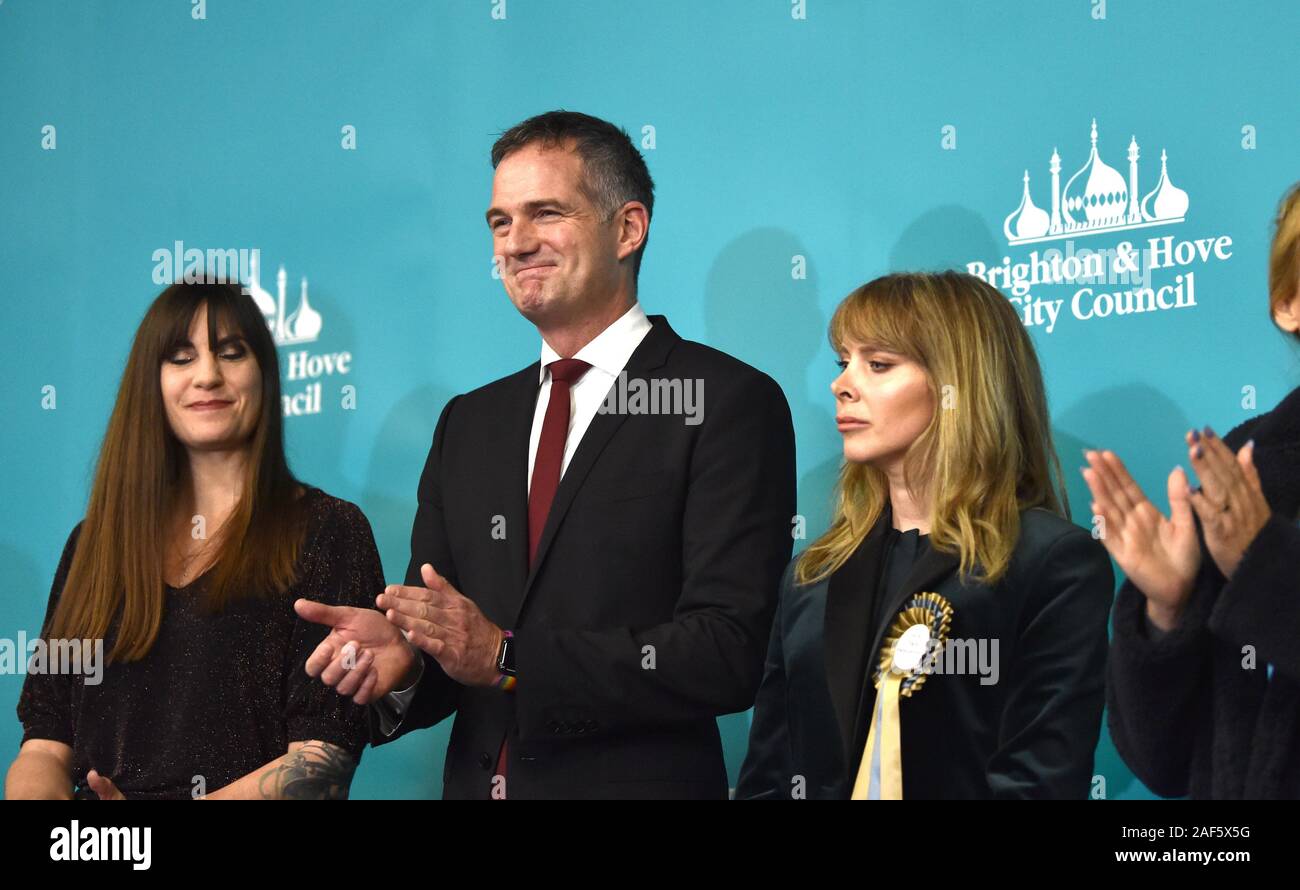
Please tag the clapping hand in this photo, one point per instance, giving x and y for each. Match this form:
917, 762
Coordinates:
363, 656
1159, 554
1230, 501
446, 624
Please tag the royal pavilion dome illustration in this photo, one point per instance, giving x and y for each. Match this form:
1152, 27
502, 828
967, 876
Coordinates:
302, 325
1097, 198
1166, 199
1096, 193
1029, 221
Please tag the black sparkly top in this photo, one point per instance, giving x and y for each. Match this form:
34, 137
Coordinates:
217, 696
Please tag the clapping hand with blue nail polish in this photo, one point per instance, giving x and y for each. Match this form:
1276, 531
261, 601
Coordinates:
1229, 502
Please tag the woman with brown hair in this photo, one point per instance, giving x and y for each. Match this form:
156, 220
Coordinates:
196, 541
946, 638
1204, 674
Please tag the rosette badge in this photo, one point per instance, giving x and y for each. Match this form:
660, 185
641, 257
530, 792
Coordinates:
907, 657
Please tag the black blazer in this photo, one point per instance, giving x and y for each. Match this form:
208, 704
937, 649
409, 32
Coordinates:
647, 611
1030, 734
1188, 712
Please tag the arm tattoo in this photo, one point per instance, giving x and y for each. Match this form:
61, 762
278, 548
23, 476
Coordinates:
316, 771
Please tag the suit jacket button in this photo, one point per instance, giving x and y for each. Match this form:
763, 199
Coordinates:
485, 760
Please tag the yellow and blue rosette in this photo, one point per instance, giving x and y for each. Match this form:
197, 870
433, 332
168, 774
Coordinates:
907, 657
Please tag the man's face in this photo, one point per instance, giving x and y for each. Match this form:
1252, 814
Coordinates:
557, 256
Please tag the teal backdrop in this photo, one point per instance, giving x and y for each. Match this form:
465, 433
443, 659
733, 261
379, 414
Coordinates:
799, 149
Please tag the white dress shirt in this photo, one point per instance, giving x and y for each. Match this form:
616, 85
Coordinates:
608, 355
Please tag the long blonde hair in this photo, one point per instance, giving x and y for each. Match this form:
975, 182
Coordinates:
1284, 253
987, 452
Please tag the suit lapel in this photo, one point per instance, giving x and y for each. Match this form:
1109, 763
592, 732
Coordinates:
926, 573
848, 603
850, 643
649, 355
520, 404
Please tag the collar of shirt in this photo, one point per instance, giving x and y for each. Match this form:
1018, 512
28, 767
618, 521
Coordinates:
608, 355
612, 347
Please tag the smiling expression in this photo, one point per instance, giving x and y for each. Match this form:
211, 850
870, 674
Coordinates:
212, 399
557, 256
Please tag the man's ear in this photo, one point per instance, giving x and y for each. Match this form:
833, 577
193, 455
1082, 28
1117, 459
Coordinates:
634, 221
1287, 315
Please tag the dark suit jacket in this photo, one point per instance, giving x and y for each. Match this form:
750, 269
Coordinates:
646, 613
1030, 734
1188, 713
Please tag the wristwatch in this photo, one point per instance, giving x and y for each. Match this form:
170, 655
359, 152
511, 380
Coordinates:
506, 655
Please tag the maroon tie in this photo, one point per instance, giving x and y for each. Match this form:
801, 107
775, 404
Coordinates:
546, 469
550, 448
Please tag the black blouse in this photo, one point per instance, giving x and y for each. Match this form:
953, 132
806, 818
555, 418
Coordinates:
903, 549
217, 696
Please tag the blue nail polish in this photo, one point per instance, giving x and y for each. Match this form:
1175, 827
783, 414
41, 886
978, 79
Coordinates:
1196, 435
1209, 433
1199, 454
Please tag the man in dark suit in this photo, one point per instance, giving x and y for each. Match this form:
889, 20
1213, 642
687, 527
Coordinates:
597, 548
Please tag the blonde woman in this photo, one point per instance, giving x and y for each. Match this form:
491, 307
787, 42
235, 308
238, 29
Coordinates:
946, 638
1204, 675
